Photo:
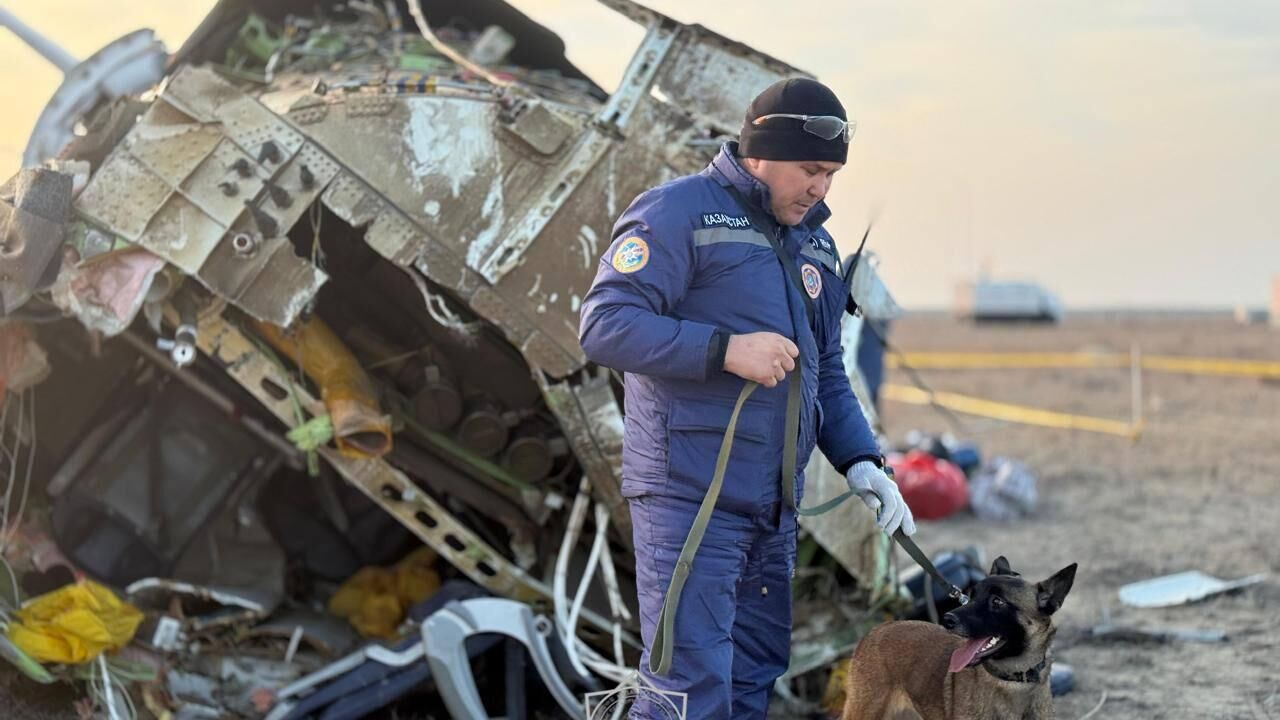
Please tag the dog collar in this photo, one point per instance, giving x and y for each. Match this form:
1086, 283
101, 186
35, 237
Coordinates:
1030, 675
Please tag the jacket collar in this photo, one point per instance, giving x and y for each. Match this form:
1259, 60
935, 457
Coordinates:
726, 170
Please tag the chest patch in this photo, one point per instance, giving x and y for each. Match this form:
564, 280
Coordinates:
738, 222
812, 280
632, 254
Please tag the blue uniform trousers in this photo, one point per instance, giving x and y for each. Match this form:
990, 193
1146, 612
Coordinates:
733, 625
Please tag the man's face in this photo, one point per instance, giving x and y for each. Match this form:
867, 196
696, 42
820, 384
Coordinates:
794, 186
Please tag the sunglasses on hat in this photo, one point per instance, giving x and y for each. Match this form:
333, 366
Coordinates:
827, 127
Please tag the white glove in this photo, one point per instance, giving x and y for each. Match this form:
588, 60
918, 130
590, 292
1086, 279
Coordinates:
883, 497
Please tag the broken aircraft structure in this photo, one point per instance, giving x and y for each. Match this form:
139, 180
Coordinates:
330, 269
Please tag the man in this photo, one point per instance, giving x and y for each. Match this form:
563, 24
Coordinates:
690, 300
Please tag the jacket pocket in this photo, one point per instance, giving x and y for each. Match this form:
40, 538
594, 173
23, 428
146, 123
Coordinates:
695, 430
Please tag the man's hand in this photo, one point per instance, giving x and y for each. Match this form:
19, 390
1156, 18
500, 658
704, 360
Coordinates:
761, 357
883, 497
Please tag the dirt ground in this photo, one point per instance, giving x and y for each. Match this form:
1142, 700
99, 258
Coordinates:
1198, 491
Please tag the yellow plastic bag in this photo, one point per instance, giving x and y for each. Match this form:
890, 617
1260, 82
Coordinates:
359, 426
416, 577
74, 624
375, 599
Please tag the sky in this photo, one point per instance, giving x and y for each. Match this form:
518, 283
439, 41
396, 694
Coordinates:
1121, 153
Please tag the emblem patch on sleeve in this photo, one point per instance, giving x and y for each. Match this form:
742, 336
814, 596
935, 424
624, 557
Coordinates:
632, 254
812, 280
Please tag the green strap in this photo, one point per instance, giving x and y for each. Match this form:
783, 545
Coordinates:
790, 438
827, 506
660, 653
789, 454
663, 643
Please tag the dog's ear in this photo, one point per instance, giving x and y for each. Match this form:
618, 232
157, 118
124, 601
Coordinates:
1052, 592
1001, 567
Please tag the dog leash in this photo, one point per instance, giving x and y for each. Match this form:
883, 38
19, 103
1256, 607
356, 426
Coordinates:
923, 561
900, 537
663, 640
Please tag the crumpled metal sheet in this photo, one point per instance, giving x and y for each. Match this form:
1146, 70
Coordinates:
592, 423
210, 180
156, 592
34, 207
714, 78
870, 292
386, 486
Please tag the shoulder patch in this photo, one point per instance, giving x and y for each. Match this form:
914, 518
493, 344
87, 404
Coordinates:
719, 219
632, 255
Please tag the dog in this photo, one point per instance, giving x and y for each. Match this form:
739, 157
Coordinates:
988, 660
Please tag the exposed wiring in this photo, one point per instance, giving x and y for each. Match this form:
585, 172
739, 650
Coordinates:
12, 475
7, 538
577, 518
17, 591
609, 573
438, 310
588, 573
103, 688
11, 482
415, 9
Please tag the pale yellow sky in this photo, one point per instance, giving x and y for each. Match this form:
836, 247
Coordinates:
1122, 153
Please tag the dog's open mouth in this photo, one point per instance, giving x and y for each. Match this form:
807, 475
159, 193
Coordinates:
973, 651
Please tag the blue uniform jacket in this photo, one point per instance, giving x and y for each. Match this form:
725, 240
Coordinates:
684, 270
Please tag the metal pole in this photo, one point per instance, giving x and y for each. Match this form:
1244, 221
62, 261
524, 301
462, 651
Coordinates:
51, 51
1135, 385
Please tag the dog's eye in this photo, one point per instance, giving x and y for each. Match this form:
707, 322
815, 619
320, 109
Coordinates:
997, 602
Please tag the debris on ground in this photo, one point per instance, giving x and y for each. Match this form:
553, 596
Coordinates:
73, 625
1003, 490
1062, 679
1180, 589
375, 600
932, 487
1107, 632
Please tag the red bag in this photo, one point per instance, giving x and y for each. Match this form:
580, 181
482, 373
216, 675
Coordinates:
932, 488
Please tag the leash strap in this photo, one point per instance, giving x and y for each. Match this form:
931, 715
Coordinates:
923, 561
769, 229
663, 640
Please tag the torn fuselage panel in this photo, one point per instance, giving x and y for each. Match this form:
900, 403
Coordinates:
210, 180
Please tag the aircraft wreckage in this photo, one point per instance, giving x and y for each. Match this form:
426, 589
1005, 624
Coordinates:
305, 298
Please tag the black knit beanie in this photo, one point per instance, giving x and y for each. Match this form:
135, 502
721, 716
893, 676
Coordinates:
785, 138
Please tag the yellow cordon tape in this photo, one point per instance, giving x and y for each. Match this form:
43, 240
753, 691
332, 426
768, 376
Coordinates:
1162, 363
1009, 412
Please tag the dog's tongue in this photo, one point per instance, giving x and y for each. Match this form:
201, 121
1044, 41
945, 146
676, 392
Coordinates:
964, 654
